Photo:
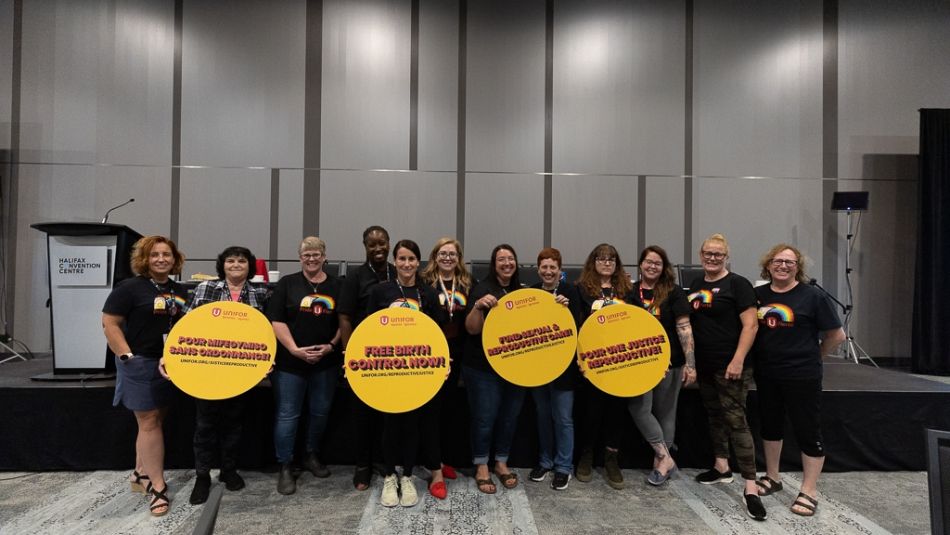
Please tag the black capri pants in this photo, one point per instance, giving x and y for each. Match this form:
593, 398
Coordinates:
800, 399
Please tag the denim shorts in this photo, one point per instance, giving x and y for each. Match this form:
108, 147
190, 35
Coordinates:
139, 386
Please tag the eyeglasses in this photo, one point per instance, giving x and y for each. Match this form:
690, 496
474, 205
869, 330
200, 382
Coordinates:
607, 260
778, 262
311, 256
654, 263
448, 254
709, 255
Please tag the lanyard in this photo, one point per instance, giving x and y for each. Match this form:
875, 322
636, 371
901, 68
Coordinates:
449, 298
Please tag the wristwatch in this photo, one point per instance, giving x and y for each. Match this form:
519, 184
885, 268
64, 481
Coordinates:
126, 356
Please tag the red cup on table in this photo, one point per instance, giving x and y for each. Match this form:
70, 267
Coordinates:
261, 268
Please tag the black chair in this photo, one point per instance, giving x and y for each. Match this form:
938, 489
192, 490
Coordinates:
687, 273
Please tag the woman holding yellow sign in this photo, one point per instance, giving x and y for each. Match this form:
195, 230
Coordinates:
494, 402
603, 282
218, 422
654, 413
554, 402
446, 273
403, 433
304, 315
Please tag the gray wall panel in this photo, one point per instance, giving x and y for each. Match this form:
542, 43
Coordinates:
754, 215
619, 87
290, 213
365, 111
757, 88
222, 207
417, 206
893, 61
503, 209
6, 70
588, 210
664, 217
438, 84
243, 83
505, 93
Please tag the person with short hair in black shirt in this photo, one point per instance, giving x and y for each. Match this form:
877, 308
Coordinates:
356, 287
136, 318
603, 282
554, 402
494, 402
404, 433
797, 327
304, 311
654, 412
724, 326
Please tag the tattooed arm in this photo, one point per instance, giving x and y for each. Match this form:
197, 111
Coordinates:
685, 333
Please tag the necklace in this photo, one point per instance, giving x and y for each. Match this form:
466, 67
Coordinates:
449, 298
405, 300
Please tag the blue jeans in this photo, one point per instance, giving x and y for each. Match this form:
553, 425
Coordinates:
495, 405
289, 391
555, 410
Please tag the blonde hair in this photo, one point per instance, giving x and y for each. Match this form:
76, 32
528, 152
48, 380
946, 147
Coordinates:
310, 243
430, 274
715, 238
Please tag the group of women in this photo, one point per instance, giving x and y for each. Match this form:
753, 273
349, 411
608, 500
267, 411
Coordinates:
716, 331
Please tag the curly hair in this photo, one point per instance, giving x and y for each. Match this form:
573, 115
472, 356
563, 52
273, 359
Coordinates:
766, 259
143, 248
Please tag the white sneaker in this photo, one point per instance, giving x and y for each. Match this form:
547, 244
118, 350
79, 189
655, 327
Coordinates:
408, 487
390, 497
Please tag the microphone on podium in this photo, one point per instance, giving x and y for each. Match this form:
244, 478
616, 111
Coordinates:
105, 218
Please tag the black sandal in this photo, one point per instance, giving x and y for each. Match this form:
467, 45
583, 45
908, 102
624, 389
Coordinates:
362, 477
771, 488
806, 502
159, 500
136, 482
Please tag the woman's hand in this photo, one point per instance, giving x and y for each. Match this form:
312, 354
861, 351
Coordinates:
734, 370
562, 300
689, 375
308, 354
486, 302
161, 368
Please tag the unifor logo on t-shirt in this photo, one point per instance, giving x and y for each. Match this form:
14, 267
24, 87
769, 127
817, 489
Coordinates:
317, 304
775, 315
701, 299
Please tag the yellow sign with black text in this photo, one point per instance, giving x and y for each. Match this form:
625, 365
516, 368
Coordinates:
623, 350
528, 338
396, 360
220, 350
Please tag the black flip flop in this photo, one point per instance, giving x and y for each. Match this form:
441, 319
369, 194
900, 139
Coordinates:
771, 488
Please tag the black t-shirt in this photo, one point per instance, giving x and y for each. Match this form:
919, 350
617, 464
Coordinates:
786, 345
356, 290
474, 352
454, 327
589, 304
674, 306
394, 295
150, 309
310, 311
716, 324
568, 379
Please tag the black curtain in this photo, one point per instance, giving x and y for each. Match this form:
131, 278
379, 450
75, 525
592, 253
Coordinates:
931, 331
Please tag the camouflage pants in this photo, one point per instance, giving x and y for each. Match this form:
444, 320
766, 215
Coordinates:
725, 402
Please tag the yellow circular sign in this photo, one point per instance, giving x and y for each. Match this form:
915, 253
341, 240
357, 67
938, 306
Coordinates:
396, 360
622, 349
220, 350
528, 338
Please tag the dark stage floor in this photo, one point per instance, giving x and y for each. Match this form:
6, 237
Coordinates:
873, 419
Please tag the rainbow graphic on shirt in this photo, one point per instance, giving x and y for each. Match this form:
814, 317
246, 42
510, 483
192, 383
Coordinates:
405, 303
459, 300
701, 299
168, 304
775, 315
318, 304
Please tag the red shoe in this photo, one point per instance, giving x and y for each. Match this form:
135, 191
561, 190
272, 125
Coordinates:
439, 490
448, 472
